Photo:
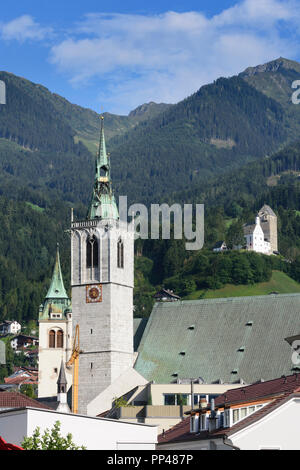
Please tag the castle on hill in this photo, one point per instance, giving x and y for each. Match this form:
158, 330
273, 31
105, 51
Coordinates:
262, 236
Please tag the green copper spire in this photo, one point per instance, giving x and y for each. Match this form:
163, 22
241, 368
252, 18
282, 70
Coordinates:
103, 204
102, 158
57, 302
57, 288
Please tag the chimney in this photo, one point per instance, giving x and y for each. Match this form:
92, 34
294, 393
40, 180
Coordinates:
203, 403
213, 418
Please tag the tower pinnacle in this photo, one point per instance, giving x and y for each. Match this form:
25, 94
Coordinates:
103, 204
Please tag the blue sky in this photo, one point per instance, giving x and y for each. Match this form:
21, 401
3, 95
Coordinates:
114, 55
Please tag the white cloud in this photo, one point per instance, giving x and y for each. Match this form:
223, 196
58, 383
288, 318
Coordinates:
138, 58
23, 28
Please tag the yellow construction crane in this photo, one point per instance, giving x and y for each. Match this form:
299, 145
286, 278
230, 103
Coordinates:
74, 360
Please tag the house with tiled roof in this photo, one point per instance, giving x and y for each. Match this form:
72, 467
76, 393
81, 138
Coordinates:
165, 295
13, 399
264, 415
10, 327
22, 376
220, 246
24, 341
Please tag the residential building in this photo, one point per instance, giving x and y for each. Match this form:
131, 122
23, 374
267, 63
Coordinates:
166, 295
164, 405
91, 432
21, 415
23, 342
10, 327
261, 416
220, 246
22, 376
10, 400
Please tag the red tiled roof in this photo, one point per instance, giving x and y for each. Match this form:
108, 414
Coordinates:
180, 430
21, 380
278, 390
270, 388
32, 370
18, 400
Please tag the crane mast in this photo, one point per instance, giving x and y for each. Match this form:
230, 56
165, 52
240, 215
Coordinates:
74, 361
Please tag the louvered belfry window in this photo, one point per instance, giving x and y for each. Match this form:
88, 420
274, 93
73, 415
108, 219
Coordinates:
120, 249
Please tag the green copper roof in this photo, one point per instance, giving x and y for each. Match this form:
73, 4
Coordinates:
56, 300
57, 288
227, 339
103, 204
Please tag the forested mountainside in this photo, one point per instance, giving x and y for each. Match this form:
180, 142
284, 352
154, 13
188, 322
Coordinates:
250, 183
28, 236
48, 145
155, 150
222, 126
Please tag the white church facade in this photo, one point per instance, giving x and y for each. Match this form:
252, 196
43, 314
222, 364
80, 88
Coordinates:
261, 237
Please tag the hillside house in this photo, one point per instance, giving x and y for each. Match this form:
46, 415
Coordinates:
10, 328
220, 246
23, 342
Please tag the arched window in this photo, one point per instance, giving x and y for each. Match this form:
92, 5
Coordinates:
59, 339
92, 252
56, 339
52, 339
120, 254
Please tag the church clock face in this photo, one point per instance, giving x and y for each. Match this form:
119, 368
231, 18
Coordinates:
94, 293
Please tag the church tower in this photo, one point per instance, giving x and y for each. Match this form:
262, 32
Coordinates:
55, 334
268, 221
102, 262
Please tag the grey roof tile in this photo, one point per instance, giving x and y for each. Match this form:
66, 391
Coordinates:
220, 329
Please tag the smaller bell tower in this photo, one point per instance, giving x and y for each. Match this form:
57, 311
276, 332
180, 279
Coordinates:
55, 334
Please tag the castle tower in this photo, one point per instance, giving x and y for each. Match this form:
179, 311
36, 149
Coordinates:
102, 261
55, 334
268, 222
